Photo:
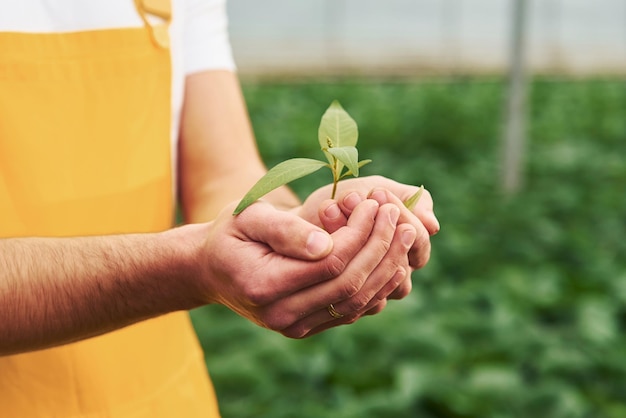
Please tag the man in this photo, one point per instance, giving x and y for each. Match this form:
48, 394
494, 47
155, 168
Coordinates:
104, 107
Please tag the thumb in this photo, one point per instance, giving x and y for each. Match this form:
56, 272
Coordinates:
285, 232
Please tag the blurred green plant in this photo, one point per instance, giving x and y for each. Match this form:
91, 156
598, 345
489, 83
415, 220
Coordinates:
521, 311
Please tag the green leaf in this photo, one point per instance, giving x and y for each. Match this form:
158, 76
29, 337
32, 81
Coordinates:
337, 129
412, 201
347, 155
361, 164
277, 176
338, 126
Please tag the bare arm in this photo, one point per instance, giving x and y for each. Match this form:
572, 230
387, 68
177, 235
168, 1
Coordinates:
219, 160
58, 290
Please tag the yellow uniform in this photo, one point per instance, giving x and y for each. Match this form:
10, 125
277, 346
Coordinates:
86, 123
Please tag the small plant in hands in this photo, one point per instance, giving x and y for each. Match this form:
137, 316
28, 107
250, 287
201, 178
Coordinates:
338, 135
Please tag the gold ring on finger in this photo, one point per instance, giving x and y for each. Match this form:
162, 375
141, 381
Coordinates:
333, 312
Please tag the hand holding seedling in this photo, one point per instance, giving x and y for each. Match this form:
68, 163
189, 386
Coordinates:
337, 137
332, 214
282, 272
348, 252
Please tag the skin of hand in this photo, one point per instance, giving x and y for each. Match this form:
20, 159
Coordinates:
333, 214
281, 272
215, 109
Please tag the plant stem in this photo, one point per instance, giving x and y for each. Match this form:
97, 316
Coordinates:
335, 177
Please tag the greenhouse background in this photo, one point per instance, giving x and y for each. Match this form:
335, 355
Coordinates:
424, 37
521, 311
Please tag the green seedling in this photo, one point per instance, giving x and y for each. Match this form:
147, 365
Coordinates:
412, 201
338, 135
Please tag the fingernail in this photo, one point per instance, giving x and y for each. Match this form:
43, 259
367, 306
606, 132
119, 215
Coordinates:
352, 200
318, 243
332, 211
379, 196
436, 223
394, 214
408, 237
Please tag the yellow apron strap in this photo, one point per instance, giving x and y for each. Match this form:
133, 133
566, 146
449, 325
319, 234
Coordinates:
161, 9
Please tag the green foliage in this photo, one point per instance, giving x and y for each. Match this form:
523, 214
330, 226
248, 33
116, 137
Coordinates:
521, 311
280, 174
412, 201
337, 136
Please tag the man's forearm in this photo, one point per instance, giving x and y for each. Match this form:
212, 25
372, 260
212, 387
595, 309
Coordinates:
218, 157
58, 290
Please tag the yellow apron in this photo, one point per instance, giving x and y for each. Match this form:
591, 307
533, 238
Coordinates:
85, 150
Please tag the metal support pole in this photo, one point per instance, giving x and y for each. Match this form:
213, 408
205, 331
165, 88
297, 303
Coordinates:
515, 124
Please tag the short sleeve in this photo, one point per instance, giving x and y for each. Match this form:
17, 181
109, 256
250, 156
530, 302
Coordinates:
205, 37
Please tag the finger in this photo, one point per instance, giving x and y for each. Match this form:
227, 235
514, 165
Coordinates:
402, 290
345, 321
331, 216
376, 309
375, 303
284, 232
350, 197
420, 252
385, 278
424, 207
349, 200
378, 304
390, 273
310, 304
284, 276
423, 210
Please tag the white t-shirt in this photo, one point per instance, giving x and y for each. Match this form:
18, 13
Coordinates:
198, 31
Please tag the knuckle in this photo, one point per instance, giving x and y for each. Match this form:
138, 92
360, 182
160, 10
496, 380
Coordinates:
276, 321
358, 302
349, 289
334, 265
383, 245
277, 318
423, 238
422, 260
378, 308
402, 290
405, 289
379, 298
257, 295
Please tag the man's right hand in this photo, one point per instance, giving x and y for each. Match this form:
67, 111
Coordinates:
282, 272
